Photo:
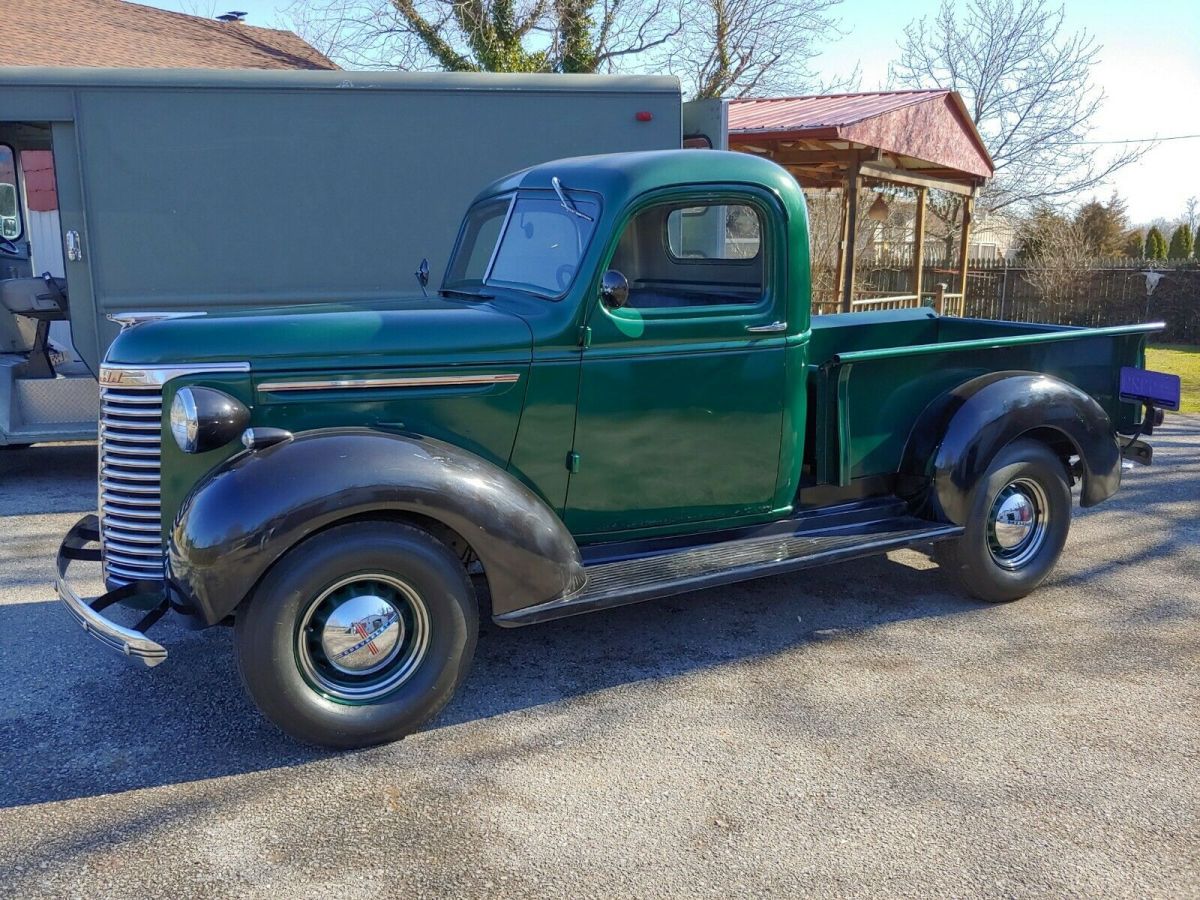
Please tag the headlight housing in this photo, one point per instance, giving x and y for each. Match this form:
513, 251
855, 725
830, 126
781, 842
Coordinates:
203, 419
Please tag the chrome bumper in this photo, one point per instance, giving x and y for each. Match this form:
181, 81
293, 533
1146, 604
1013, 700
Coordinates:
86, 610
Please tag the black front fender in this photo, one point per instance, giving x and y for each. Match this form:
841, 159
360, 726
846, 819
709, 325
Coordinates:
958, 435
248, 512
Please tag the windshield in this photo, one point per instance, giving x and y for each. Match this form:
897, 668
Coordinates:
531, 243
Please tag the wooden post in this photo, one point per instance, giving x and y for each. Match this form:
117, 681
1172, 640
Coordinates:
919, 244
852, 182
840, 269
963, 246
939, 298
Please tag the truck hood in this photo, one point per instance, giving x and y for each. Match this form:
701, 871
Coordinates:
408, 331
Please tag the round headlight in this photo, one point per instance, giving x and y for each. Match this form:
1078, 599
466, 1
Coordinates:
203, 419
185, 426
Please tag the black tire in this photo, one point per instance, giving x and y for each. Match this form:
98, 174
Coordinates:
290, 674
979, 561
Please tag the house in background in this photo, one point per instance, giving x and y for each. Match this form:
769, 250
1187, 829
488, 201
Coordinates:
993, 235
117, 34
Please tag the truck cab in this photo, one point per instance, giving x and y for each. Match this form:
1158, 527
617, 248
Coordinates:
616, 393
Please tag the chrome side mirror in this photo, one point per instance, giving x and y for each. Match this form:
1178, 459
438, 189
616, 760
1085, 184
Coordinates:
614, 289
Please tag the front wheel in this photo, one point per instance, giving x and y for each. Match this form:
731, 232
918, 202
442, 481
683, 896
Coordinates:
1019, 518
358, 635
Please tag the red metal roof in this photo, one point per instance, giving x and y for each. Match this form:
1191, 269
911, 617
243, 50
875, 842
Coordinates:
929, 128
819, 110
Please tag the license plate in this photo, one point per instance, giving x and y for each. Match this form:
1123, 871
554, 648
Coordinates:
1156, 388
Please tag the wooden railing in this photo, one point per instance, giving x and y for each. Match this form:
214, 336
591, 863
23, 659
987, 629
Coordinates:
867, 301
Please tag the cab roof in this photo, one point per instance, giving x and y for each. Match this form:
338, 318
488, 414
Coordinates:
620, 177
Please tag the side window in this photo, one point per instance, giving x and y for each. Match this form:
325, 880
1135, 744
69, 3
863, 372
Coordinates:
10, 204
693, 255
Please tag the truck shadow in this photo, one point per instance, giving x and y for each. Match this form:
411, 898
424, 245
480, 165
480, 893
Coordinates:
79, 721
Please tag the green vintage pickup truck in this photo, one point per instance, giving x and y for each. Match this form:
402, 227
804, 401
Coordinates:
617, 393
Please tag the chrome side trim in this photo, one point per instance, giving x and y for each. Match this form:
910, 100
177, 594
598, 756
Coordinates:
347, 384
117, 376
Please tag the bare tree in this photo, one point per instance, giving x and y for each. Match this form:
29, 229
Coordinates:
205, 9
718, 48
1191, 213
1058, 257
1027, 83
486, 35
740, 48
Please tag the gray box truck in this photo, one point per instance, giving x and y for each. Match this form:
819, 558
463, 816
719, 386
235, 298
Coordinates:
182, 191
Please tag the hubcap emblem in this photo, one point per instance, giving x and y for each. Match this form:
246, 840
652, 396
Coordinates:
362, 635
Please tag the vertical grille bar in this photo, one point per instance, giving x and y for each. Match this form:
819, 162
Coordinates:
130, 510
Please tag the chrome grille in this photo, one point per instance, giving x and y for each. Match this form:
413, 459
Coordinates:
130, 515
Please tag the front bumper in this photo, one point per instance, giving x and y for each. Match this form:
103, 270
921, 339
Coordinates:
87, 610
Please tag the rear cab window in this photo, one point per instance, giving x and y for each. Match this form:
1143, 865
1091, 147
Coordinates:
694, 254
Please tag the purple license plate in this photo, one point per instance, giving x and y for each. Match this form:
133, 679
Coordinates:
1156, 388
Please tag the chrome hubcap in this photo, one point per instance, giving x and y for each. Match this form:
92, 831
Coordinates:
362, 634
362, 637
1017, 524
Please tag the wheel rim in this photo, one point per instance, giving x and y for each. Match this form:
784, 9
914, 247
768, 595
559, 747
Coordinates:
362, 637
1017, 523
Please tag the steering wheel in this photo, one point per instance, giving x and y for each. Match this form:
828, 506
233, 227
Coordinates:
563, 275
9, 247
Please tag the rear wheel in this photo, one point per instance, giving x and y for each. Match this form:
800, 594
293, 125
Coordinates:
1019, 518
358, 635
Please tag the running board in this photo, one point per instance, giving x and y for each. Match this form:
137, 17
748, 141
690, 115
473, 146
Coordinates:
648, 577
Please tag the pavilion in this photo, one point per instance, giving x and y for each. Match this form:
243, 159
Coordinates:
918, 139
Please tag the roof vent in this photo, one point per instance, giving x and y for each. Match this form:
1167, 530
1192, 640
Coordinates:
231, 17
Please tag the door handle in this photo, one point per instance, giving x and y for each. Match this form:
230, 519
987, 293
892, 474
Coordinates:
773, 328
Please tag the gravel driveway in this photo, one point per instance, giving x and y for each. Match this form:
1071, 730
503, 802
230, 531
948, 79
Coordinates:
853, 730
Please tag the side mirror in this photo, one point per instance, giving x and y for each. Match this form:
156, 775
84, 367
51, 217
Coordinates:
614, 289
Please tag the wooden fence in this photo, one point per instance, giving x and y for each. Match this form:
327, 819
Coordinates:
1105, 292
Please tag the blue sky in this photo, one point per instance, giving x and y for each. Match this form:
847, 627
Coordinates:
1150, 70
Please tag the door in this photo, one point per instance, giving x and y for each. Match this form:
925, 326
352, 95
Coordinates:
679, 413
706, 125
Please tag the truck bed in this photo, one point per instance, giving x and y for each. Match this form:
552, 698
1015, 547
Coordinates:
871, 375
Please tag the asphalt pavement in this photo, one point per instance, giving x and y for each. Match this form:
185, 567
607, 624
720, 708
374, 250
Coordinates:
856, 730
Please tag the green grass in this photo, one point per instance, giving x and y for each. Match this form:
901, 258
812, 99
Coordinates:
1182, 360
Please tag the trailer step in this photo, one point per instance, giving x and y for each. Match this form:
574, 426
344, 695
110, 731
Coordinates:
647, 577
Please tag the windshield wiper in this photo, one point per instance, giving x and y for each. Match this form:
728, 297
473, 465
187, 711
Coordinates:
459, 292
566, 202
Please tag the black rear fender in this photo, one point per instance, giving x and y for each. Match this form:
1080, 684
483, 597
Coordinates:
958, 435
252, 509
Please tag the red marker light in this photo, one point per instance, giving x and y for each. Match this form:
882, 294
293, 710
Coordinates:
644, 116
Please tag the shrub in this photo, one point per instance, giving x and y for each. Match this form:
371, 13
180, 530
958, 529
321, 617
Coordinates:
1181, 243
1156, 244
